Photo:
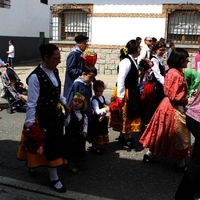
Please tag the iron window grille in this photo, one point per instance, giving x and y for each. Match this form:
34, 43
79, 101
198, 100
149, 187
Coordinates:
5, 3
184, 27
69, 23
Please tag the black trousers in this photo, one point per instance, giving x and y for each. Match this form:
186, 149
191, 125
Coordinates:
189, 187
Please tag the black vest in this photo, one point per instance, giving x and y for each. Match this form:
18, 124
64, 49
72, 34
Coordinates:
131, 80
49, 96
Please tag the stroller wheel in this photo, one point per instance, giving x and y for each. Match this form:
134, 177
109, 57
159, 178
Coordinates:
9, 110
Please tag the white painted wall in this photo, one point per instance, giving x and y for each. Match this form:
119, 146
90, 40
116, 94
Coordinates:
117, 31
128, 8
126, 2
25, 18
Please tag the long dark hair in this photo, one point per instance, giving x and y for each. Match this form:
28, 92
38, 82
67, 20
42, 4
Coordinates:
177, 57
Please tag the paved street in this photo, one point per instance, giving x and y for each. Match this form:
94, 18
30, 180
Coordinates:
118, 174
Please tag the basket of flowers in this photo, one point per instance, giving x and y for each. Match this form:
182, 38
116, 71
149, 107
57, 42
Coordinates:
90, 57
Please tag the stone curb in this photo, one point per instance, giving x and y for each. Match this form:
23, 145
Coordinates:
44, 190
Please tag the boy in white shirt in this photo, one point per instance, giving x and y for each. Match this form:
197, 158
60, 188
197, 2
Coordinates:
11, 53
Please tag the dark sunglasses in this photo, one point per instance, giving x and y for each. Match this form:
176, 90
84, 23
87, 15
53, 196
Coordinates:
149, 40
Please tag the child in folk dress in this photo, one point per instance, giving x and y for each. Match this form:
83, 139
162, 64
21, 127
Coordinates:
98, 128
76, 125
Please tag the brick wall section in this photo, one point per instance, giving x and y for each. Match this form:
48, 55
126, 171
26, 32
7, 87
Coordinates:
108, 59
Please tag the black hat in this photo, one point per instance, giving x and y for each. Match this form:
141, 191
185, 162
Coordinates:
80, 38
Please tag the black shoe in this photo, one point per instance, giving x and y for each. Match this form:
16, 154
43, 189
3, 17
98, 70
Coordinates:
97, 151
74, 170
130, 144
32, 173
182, 169
121, 139
61, 190
148, 159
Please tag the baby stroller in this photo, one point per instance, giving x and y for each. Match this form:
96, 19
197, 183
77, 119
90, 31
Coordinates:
12, 89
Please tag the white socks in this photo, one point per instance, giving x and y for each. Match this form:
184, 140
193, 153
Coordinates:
54, 176
149, 153
180, 162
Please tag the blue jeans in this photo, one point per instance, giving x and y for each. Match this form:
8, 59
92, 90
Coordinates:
11, 62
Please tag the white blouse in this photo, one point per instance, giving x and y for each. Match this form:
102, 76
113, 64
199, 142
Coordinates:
156, 69
124, 68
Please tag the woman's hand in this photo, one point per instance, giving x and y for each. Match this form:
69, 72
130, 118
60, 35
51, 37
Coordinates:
84, 134
40, 150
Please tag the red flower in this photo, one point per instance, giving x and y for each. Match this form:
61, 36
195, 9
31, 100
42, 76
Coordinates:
90, 59
116, 104
34, 138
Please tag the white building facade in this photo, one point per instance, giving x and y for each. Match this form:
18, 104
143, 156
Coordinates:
27, 23
109, 25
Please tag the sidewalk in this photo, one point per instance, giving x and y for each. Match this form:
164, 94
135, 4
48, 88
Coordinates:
24, 70
13, 189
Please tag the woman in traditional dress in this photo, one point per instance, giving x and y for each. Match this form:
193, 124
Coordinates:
164, 135
153, 93
189, 188
42, 141
125, 105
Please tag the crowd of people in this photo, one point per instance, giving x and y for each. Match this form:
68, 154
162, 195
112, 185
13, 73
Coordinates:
148, 98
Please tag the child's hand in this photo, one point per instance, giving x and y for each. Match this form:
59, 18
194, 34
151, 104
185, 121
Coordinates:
190, 100
149, 62
84, 134
67, 109
107, 108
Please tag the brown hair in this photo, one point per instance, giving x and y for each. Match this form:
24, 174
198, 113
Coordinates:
99, 84
158, 45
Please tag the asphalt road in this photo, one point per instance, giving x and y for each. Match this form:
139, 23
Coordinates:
117, 174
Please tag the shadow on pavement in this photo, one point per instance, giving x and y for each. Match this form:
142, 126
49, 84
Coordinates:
117, 174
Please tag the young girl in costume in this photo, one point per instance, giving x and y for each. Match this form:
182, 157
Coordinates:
76, 125
98, 129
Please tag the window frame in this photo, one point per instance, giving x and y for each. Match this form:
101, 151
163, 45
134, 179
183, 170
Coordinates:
5, 3
170, 10
44, 2
58, 24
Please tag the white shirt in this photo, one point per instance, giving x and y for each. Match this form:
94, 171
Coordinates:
144, 53
33, 94
11, 50
124, 68
79, 116
156, 69
95, 105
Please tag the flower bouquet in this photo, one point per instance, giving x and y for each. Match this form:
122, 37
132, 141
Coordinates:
90, 57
